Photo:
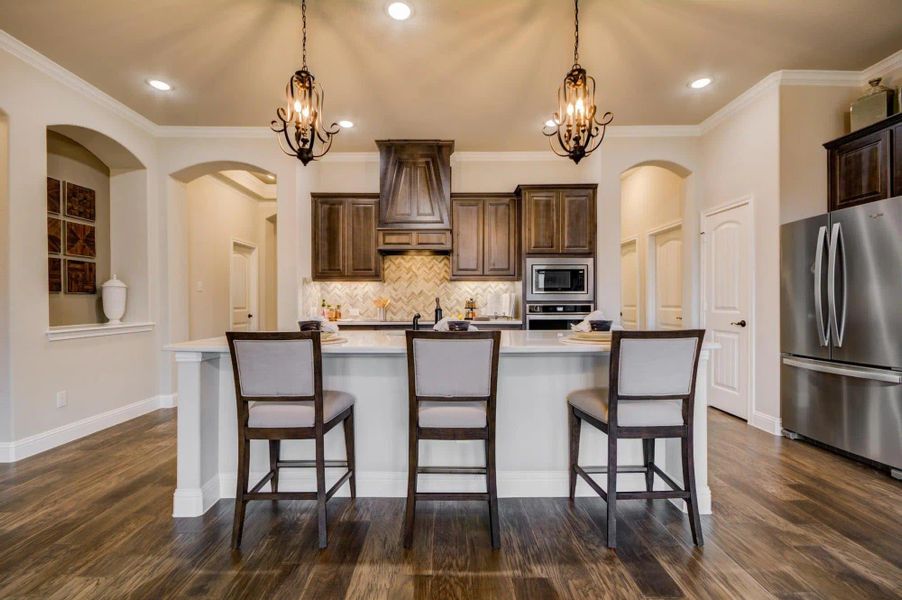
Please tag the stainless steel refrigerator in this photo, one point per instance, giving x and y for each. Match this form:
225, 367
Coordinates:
841, 330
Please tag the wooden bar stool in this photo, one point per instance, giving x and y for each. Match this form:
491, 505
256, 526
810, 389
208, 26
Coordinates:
651, 395
452, 382
279, 389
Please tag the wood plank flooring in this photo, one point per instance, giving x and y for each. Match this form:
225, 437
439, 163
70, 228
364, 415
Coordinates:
92, 520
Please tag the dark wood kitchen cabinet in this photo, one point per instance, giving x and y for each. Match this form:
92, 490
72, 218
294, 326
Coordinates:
344, 237
865, 165
485, 231
558, 219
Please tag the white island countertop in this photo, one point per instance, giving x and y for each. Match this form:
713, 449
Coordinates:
393, 342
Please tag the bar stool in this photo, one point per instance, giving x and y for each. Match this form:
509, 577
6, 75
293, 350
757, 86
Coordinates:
452, 386
280, 396
651, 395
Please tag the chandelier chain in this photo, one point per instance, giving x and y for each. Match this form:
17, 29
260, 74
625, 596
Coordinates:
304, 33
576, 29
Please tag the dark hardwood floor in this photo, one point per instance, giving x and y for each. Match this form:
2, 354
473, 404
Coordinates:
92, 520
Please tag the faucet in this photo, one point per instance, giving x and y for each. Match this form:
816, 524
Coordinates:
416, 321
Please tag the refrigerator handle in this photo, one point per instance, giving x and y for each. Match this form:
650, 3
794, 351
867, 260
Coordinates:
882, 375
823, 332
837, 321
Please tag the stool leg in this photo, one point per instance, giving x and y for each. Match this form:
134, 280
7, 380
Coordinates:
648, 456
349, 451
612, 489
575, 426
410, 510
321, 491
244, 452
274, 447
695, 523
492, 489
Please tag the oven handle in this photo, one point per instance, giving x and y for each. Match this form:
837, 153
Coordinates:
557, 317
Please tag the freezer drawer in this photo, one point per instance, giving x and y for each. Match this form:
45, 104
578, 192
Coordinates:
855, 409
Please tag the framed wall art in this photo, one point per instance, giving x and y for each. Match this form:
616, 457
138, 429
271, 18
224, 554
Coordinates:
81, 277
55, 275
80, 202
53, 195
80, 240
54, 235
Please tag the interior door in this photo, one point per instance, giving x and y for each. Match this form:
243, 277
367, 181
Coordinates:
629, 285
668, 279
727, 303
242, 288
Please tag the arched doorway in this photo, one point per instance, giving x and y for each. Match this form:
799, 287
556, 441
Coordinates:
223, 257
654, 246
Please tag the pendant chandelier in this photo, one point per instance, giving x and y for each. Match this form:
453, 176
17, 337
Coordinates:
300, 122
574, 131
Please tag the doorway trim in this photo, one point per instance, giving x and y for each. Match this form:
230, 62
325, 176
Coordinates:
639, 308
253, 283
651, 270
755, 418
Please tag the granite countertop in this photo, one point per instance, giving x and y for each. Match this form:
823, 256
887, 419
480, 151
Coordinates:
430, 322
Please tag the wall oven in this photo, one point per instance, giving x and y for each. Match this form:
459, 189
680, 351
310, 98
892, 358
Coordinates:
560, 279
556, 317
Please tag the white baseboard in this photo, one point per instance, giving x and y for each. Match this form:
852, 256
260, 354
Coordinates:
764, 422
391, 484
47, 440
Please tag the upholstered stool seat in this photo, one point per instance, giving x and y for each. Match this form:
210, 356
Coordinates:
297, 414
630, 413
452, 414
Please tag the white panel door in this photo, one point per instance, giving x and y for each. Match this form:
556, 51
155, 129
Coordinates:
669, 279
243, 288
727, 303
629, 285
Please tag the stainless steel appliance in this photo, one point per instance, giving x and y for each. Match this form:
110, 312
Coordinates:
560, 279
556, 316
841, 330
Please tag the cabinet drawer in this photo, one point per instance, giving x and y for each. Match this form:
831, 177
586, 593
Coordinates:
414, 240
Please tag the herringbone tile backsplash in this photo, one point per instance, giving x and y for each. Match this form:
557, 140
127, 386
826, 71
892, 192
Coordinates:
411, 282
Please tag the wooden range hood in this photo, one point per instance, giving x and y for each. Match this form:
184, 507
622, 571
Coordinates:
414, 195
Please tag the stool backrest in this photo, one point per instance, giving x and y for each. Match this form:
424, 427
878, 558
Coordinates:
649, 365
276, 366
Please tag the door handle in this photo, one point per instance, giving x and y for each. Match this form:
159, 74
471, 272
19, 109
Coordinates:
250, 316
837, 322
823, 331
741, 323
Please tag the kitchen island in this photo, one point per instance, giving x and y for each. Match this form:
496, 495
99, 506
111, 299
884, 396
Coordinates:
536, 372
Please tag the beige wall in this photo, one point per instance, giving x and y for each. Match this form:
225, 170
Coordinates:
67, 160
652, 197
5, 407
741, 159
218, 213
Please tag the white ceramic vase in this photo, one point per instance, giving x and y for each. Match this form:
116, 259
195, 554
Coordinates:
114, 295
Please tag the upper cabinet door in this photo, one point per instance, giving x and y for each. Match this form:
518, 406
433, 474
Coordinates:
328, 238
467, 247
501, 256
577, 208
541, 227
859, 170
363, 260
897, 160
415, 184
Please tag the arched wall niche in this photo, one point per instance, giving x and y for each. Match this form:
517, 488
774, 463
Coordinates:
129, 214
655, 208
212, 206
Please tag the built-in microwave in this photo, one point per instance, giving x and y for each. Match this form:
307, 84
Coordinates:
560, 279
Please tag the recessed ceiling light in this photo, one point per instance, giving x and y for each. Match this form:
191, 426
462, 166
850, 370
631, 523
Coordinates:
399, 11
346, 124
703, 82
159, 85
550, 123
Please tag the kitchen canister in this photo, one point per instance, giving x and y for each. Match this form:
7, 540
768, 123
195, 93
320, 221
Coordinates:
114, 294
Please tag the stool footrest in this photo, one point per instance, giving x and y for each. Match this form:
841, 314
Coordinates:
620, 469
310, 464
451, 496
451, 470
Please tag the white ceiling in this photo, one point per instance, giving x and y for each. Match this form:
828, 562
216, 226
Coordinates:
481, 72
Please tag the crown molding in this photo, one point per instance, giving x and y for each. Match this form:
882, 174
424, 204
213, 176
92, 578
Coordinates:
880, 69
820, 78
505, 156
344, 157
35, 59
738, 103
652, 131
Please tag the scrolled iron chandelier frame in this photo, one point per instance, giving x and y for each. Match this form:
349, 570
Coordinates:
300, 121
576, 132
